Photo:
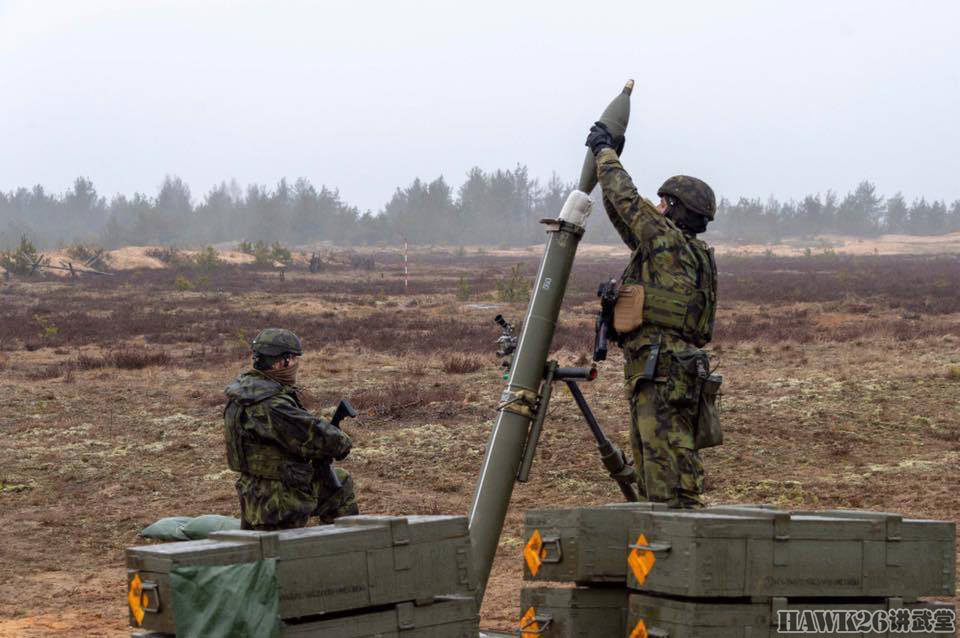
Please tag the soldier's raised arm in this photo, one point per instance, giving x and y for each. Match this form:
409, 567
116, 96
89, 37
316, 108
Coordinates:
636, 219
625, 232
635, 211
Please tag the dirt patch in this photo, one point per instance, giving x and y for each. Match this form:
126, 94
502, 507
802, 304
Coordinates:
838, 392
830, 244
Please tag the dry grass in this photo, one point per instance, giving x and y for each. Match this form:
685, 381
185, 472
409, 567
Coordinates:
840, 390
462, 364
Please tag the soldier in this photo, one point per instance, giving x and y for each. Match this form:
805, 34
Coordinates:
281, 450
664, 314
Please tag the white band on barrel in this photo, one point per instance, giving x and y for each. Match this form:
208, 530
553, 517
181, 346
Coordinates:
577, 208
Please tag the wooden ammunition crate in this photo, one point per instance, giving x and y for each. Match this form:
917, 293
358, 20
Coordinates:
663, 617
356, 563
573, 612
743, 551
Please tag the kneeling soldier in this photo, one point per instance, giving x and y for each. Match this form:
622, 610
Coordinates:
282, 451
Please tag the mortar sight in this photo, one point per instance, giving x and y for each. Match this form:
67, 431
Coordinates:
507, 341
503, 323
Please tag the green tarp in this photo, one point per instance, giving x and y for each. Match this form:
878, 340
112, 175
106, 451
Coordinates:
226, 601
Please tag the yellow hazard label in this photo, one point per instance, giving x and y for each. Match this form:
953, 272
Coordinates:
135, 599
529, 627
641, 562
640, 631
534, 552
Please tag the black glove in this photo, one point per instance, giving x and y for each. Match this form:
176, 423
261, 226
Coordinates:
599, 138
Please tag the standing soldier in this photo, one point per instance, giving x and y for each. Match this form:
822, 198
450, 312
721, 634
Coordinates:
664, 313
281, 450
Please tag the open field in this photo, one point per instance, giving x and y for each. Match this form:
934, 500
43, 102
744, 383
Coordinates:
842, 389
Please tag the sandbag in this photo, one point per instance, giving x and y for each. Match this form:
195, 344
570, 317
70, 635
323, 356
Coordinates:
168, 529
202, 526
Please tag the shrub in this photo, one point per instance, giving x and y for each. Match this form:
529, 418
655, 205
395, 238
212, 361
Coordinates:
264, 255
280, 253
138, 358
90, 255
208, 258
463, 290
462, 364
25, 260
48, 330
183, 284
128, 358
167, 254
515, 288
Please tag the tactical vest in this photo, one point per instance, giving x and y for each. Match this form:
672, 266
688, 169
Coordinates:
248, 456
691, 314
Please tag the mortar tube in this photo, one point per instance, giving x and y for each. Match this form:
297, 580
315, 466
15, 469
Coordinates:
506, 444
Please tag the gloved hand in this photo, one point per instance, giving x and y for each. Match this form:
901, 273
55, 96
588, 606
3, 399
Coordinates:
599, 138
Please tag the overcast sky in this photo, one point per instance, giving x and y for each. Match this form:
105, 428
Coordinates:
757, 98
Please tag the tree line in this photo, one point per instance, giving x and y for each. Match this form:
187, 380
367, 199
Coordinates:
495, 207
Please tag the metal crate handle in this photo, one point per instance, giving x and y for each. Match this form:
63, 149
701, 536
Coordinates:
152, 587
656, 548
544, 555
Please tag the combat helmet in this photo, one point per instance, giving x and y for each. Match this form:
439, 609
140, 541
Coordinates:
273, 342
692, 193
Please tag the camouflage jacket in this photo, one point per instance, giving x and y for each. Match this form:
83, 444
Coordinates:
664, 258
270, 434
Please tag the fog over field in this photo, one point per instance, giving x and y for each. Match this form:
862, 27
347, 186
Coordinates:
758, 98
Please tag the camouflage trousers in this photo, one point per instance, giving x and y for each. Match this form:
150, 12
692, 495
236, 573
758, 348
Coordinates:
661, 434
267, 504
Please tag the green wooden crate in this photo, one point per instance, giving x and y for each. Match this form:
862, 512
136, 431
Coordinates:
743, 551
573, 612
452, 617
662, 617
446, 618
582, 544
358, 562
765, 552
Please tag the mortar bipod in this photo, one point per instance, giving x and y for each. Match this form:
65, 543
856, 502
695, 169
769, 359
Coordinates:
614, 460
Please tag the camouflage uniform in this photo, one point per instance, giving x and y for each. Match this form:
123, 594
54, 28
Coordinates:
663, 406
281, 450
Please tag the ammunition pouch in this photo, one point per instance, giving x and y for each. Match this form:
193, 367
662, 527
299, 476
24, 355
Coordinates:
689, 386
708, 431
639, 305
628, 311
